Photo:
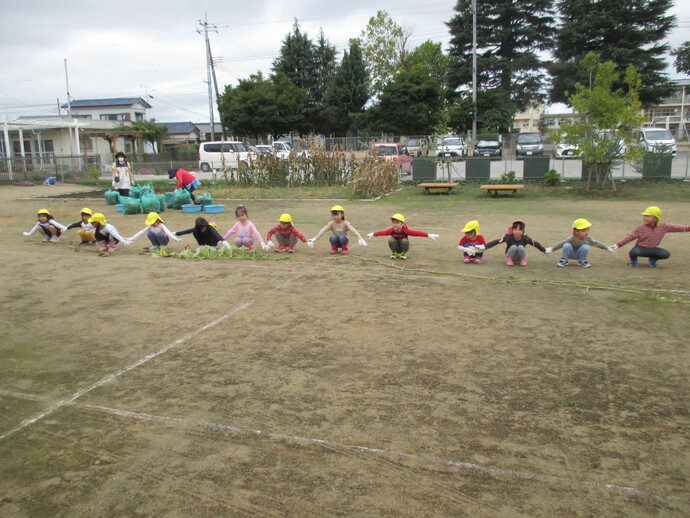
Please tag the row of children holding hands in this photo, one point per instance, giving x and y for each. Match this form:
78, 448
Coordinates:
93, 228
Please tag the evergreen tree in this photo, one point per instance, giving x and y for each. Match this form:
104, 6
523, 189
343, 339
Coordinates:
348, 90
510, 36
626, 33
310, 67
411, 104
682, 62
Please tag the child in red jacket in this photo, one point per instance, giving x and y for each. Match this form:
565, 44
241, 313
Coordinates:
286, 234
399, 232
472, 243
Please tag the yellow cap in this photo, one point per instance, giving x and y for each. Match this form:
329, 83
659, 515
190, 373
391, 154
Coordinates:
44, 211
285, 218
470, 226
86, 210
97, 218
152, 218
399, 217
653, 211
338, 208
581, 224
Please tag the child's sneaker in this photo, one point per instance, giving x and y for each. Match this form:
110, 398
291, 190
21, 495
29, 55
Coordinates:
394, 255
478, 260
281, 249
402, 256
344, 250
633, 262
584, 264
46, 239
334, 249
523, 261
652, 262
291, 249
153, 248
509, 260
467, 259
54, 239
562, 263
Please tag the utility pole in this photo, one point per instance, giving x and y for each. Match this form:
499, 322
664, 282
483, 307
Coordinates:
474, 72
69, 110
209, 66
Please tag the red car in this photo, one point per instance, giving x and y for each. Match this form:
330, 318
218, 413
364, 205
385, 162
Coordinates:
396, 153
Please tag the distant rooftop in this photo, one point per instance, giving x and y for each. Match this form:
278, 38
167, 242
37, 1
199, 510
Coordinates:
117, 101
180, 127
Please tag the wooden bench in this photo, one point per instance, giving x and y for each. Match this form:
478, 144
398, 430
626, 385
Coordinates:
506, 187
441, 186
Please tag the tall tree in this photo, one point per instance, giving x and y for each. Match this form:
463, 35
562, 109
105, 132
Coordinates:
348, 90
309, 66
511, 35
682, 62
384, 47
257, 107
411, 104
629, 32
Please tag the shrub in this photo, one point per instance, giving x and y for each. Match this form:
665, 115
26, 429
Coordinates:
552, 177
509, 177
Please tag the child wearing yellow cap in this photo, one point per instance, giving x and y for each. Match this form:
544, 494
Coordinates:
156, 231
47, 227
577, 245
106, 234
85, 228
649, 235
286, 234
472, 243
340, 227
399, 232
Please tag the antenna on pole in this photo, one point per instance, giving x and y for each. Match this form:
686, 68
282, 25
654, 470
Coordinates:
209, 68
69, 109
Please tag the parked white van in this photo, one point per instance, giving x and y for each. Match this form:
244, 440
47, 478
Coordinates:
656, 140
223, 155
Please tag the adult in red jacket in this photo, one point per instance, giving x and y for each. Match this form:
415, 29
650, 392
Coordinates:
185, 180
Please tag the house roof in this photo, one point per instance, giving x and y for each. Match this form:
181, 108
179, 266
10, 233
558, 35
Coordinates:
180, 128
118, 101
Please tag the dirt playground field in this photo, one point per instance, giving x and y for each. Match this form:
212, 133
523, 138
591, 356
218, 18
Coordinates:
132, 385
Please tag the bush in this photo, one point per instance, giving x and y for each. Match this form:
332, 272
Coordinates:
509, 177
373, 177
552, 177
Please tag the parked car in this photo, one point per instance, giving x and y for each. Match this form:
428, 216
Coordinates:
396, 153
565, 150
656, 140
452, 147
263, 150
223, 155
529, 143
283, 148
490, 148
417, 146
608, 135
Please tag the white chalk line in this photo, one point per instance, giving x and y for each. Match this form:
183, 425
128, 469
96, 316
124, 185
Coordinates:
492, 470
107, 379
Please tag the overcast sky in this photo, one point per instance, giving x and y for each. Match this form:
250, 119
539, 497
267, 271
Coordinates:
151, 48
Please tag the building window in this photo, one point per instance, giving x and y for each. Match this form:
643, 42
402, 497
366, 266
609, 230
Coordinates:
139, 116
109, 116
47, 146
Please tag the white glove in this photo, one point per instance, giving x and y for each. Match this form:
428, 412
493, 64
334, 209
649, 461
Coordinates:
471, 250
177, 238
370, 235
310, 243
613, 248
479, 247
127, 242
265, 246
548, 250
362, 242
270, 245
226, 245
433, 236
26, 233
